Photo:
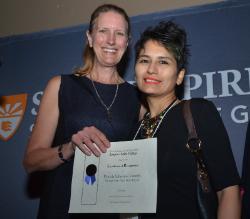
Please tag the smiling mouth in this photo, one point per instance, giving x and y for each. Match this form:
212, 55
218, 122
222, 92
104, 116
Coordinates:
109, 50
151, 81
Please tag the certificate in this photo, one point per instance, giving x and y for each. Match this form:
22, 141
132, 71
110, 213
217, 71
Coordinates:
122, 180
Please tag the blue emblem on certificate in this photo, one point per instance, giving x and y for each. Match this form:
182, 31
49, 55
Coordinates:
90, 177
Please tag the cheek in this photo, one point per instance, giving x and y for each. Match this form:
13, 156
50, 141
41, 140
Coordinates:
137, 71
171, 81
122, 43
170, 76
139, 75
98, 40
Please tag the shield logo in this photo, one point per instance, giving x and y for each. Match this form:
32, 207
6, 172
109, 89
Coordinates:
12, 109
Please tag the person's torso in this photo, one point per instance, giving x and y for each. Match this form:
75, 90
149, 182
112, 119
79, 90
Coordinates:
80, 106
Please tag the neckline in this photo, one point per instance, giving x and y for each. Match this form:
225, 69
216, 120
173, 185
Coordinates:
160, 117
171, 106
99, 83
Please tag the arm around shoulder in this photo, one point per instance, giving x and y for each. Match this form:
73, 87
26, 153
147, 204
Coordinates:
39, 154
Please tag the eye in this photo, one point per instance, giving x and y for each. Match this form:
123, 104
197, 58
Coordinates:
102, 30
120, 33
142, 60
163, 62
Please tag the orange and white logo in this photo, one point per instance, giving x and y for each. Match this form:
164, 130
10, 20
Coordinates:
12, 109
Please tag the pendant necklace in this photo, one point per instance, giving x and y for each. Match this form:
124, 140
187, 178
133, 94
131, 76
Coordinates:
107, 108
151, 125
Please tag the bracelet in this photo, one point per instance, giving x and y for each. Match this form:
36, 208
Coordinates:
60, 154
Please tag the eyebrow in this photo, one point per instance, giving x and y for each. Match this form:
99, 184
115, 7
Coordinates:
146, 56
159, 57
123, 30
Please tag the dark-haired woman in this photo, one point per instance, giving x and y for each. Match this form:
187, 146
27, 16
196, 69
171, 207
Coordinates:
161, 58
82, 109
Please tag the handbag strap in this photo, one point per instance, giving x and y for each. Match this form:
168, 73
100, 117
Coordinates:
194, 146
193, 141
192, 134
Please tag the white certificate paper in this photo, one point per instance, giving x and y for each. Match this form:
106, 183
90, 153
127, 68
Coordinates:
122, 180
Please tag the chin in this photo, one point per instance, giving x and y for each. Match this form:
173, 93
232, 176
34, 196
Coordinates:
111, 61
149, 93
110, 64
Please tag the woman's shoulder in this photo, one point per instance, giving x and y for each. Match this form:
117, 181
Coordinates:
54, 82
58, 79
201, 103
68, 76
70, 80
130, 88
200, 100
129, 85
204, 108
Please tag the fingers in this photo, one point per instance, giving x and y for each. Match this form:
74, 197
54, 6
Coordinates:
100, 139
91, 140
77, 141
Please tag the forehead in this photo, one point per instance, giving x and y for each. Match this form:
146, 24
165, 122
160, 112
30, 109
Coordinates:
111, 19
154, 48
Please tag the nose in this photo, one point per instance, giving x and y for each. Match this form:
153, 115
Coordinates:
152, 68
111, 38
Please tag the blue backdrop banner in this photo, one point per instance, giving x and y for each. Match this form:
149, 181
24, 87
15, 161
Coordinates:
219, 70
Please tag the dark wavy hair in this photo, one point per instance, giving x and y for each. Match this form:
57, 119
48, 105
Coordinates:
171, 36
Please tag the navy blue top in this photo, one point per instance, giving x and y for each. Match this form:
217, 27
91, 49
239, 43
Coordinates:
79, 107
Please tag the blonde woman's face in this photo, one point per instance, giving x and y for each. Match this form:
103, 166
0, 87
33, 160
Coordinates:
156, 70
109, 38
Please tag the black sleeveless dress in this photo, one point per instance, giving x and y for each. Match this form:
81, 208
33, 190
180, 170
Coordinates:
80, 107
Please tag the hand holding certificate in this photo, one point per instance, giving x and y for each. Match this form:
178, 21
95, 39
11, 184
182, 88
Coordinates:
122, 180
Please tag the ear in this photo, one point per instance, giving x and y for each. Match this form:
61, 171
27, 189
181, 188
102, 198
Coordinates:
89, 37
180, 76
128, 40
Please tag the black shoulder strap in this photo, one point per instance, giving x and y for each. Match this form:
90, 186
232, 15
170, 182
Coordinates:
192, 134
194, 146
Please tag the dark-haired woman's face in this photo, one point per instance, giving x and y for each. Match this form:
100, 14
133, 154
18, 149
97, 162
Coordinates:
109, 38
156, 70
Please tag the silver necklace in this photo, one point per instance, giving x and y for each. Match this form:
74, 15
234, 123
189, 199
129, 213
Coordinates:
107, 108
157, 127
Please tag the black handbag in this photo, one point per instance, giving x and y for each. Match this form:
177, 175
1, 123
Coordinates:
207, 200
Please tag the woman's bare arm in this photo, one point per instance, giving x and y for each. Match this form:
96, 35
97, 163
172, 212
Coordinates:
39, 155
229, 203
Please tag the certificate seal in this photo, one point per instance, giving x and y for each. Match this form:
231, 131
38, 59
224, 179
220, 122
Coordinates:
90, 177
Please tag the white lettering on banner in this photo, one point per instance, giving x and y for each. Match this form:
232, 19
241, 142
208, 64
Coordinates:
233, 84
36, 100
210, 85
187, 87
228, 79
243, 115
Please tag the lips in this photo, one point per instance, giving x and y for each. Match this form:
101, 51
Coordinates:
150, 80
109, 50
